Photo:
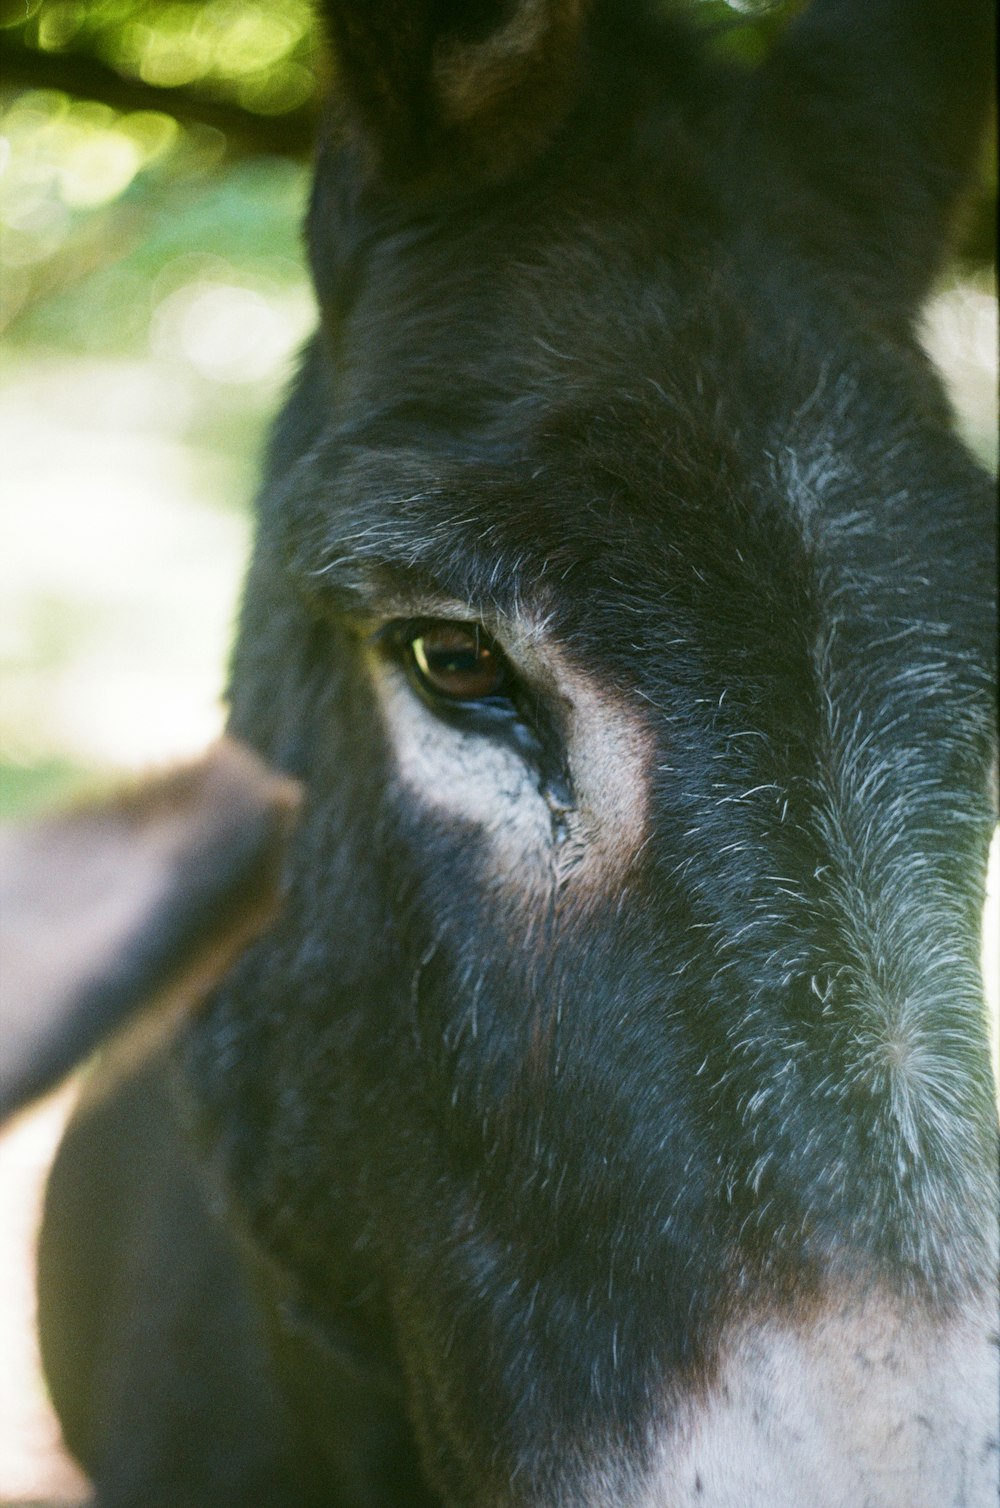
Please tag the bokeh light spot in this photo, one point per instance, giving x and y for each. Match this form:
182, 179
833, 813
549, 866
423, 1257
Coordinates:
228, 333
59, 24
98, 169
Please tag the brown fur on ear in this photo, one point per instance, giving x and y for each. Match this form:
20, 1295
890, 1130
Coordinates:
142, 899
473, 92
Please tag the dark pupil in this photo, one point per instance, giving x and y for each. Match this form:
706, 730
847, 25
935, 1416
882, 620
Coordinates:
456, 661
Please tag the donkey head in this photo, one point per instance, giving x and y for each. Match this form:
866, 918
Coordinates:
615, 1085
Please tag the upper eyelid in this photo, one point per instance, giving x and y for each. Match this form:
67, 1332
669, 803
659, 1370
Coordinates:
403, 632
399, 625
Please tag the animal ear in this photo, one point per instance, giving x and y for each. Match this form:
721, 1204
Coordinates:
881, 106
470, 87
136, 902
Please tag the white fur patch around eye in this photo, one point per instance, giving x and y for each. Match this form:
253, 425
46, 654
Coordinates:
480, 780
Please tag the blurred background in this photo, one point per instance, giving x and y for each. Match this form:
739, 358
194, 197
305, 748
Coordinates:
153, 174
153, 170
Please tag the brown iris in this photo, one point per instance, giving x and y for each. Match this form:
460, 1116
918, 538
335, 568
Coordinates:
457, 662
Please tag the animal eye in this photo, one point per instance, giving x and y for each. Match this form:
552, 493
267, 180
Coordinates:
457, 662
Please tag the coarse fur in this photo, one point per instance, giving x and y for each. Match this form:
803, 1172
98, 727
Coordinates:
620, 1053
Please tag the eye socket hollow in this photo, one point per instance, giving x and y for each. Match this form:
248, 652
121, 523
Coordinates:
457, 662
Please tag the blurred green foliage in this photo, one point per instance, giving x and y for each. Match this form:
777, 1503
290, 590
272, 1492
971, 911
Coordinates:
152, 298
125, 234
259, 55
105, 190
113, 198
108, 197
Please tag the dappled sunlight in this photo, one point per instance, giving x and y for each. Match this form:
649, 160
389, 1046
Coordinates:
226, 43
102, 202
61, 159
